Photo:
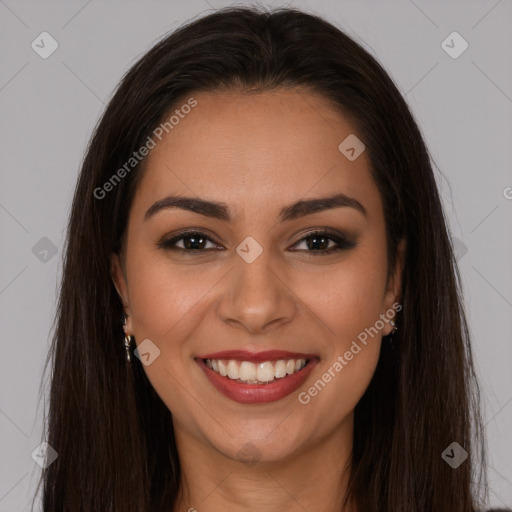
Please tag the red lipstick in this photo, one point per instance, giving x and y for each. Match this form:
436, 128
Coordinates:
258, 393
257, 357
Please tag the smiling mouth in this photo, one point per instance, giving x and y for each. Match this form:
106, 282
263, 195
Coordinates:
247, 372
250, 377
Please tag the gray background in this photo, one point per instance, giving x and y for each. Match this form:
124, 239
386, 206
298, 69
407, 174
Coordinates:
49, 108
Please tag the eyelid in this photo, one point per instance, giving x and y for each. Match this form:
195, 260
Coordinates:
323, 231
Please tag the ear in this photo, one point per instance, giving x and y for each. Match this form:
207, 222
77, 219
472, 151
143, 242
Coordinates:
393, 291
119, 278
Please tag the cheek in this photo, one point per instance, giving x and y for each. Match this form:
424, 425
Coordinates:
165, 298
349, 302
166, 302
347, 297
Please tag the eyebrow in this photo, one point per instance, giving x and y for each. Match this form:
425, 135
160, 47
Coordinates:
219, 210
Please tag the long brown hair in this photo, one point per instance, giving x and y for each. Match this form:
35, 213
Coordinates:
113, 433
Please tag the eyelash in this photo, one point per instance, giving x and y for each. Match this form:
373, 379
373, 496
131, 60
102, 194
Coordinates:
342, 243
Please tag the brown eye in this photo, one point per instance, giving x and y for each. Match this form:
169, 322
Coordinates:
319, 242
192, 241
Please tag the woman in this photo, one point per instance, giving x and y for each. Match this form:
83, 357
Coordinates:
257, 212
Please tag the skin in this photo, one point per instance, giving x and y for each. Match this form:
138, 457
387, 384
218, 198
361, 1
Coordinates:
258, 153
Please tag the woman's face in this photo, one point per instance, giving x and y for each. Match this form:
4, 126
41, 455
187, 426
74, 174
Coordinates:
252, 277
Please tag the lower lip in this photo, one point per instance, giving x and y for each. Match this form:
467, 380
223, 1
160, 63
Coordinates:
258, 393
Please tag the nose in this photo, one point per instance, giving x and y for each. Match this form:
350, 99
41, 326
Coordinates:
257, 297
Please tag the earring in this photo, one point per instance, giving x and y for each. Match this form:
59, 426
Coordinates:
395, 328
127, 341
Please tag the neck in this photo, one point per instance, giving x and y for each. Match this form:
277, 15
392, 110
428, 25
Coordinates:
313, 478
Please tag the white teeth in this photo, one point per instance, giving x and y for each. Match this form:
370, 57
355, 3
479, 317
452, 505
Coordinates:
280, 370
223, 369
249, 372
233, 370
265, 372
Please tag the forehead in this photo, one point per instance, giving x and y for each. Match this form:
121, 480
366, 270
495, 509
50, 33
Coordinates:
275, 146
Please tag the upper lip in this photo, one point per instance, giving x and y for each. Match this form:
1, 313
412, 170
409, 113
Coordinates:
257, 357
